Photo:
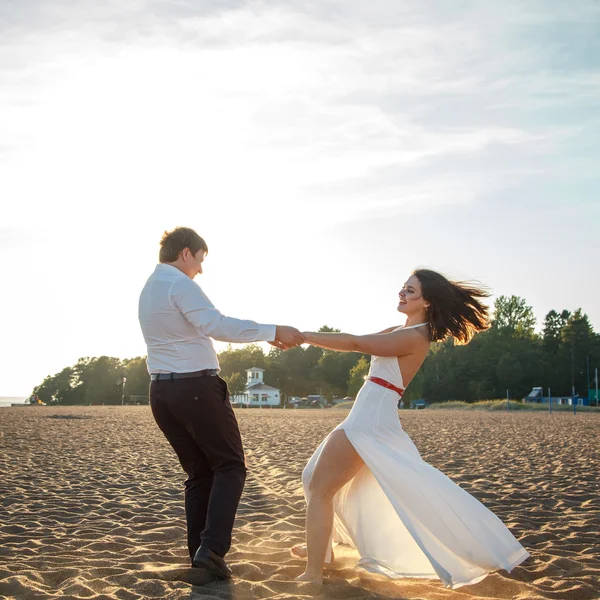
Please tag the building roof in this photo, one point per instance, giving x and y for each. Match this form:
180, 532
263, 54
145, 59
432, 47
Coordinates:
255, 369
261, 386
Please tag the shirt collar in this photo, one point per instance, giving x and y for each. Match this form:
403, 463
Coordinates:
164, 268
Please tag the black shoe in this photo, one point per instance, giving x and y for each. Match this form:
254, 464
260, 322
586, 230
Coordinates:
206, 558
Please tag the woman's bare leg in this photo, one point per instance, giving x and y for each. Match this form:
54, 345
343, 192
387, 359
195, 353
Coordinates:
339, 463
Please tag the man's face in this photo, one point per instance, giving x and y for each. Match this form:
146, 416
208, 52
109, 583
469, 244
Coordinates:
191, 264
196, 262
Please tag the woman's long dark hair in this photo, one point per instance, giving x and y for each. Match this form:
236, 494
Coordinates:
454, 307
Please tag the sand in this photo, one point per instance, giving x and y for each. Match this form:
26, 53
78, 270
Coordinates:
92, 504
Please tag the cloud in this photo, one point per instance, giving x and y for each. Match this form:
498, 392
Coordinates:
329, 99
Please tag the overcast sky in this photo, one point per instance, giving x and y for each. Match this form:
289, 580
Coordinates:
323, 149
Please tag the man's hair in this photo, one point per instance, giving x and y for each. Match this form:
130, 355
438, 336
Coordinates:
174, 242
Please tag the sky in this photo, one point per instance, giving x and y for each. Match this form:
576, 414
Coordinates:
323, 149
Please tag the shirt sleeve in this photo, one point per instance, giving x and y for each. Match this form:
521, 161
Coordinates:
194, 304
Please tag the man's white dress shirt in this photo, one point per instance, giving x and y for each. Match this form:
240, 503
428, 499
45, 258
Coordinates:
178, 321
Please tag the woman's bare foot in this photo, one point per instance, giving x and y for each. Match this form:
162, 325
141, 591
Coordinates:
299, 551
315, 579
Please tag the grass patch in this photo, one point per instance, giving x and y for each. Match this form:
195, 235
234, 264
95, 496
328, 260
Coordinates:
344, 405
500, 405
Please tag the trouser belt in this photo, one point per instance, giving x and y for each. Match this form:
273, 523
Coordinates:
171, 376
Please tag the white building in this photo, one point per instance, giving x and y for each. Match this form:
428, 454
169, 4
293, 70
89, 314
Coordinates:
257, 392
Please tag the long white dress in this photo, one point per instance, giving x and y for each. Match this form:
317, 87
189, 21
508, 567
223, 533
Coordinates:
406, 518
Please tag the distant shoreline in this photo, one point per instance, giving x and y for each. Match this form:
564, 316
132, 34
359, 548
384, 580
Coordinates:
10, 400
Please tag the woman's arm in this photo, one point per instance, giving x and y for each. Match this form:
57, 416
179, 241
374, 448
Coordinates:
395, 343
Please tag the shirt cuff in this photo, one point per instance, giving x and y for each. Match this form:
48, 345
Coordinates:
267, 332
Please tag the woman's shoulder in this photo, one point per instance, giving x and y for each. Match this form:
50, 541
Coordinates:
389, 329
418, 336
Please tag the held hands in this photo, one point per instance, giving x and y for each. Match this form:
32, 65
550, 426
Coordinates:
287, 337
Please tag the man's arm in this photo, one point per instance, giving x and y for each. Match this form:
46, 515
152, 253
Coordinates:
194, 304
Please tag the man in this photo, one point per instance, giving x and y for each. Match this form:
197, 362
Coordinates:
189, 401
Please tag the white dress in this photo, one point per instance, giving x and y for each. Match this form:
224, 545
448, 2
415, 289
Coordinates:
406, 518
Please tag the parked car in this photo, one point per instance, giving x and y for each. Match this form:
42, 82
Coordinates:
418, 404
317, 401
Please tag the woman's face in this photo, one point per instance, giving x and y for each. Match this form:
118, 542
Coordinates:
411, 297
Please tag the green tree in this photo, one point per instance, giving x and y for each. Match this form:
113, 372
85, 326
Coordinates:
333, 368
236, 382
578, 343
510, 374
100, 379
135, 370
90, 381
327, 329
237, 360
332, 372
554, 323
357, 376
512, 315
294, 371
58, 388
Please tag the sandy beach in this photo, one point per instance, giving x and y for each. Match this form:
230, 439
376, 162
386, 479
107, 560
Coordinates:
92, 504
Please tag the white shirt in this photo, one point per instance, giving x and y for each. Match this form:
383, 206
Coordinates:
178, 321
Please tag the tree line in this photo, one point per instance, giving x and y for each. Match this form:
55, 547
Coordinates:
510, 355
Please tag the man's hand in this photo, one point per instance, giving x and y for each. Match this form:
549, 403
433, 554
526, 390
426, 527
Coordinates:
278, 345
287, 337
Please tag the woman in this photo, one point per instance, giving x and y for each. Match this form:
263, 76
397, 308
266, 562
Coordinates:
367, 485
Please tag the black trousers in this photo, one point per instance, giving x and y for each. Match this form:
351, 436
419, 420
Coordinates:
197, 419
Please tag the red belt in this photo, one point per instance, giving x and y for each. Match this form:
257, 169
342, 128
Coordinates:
386, 384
